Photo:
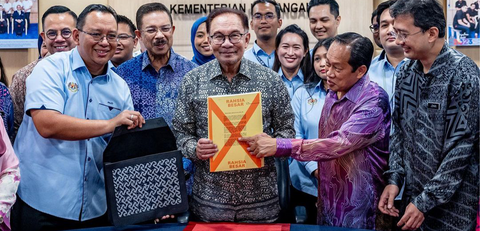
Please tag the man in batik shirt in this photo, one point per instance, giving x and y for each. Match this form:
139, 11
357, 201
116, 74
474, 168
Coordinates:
249, 195
352, 148
434, 146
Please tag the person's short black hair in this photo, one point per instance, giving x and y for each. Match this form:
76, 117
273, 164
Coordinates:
305, 64
425, 14
314, 78
148, 8
382, 7
374, 14
273, 2
219, 11
334, 8
123, 19
91, 8
361, 49
58, 10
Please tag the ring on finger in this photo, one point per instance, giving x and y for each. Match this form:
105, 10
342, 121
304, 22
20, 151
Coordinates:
131, 117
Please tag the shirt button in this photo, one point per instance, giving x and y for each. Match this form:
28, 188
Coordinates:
90, 100
85, 178
89, 159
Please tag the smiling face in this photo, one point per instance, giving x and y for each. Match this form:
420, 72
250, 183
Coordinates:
96, 54
415, 45
201, 41
290, 51
323, 24
228, 54
386, 31
158, 44
57, 23
125, 45
265, 29
340, 77
319, 61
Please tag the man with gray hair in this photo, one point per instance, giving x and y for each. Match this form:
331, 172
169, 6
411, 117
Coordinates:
249, 195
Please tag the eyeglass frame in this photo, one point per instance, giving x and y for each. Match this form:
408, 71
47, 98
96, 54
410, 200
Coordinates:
56, 33
127, 36
403, 37
157, 29
373, 29
264, 16
229, 38
104, 36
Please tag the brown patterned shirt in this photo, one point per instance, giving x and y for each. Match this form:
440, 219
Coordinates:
18, 90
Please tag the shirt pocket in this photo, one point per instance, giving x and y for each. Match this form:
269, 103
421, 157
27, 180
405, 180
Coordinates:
108, 110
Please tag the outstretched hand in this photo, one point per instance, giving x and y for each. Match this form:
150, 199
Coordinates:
261, 145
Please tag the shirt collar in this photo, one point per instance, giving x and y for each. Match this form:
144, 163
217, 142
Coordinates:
257, 49
245, 69
298, 75
320, 87
172, 60
77, 62
437, 64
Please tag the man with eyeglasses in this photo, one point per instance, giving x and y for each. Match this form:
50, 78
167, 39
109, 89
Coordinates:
434, 146
385, 66
265, 23
74, 102
127, 41
155, 76
58, 23
234, 196
374, 28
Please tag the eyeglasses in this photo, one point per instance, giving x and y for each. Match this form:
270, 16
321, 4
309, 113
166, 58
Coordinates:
268, 17
124, 37
234, 38
374, 28
403, 36
154, 30
97, 37
65, 33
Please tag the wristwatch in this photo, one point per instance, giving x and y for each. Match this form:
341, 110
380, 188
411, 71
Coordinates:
1, 219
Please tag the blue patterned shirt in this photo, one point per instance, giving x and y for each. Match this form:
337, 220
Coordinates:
6, 109
154, 93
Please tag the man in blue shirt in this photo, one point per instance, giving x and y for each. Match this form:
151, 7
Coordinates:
384, 67
265, 22
74, 101
155, 75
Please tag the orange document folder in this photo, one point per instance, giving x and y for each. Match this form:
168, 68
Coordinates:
229, 118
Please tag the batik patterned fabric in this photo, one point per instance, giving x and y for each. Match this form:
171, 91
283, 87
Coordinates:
352, 154
244, 195
434, 145
154, 93
6, 110
18, 91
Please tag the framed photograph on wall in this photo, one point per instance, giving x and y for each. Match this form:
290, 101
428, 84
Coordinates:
18, 24
463, 22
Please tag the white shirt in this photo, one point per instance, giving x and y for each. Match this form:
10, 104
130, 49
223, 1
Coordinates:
27, 5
